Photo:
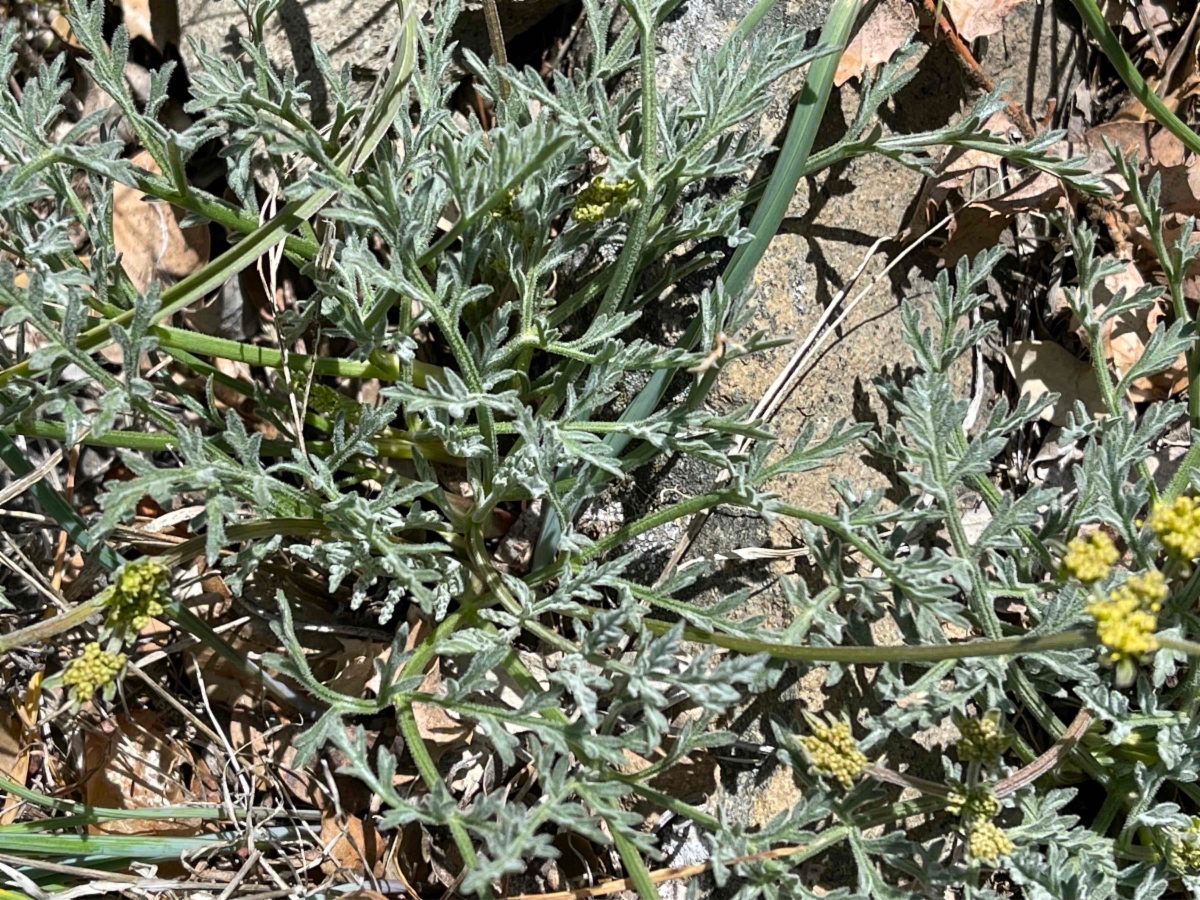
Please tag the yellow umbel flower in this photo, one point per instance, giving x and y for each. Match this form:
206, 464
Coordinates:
1183, 853
138, 594
976, 804
987, 842
1177, 525
980, 740
1090, 558
602, 199
831, 750
92, 670
1127, 619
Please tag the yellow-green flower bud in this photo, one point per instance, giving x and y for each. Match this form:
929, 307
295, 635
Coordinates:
1183, 853
987, 842
138, 594
504, 211
975, 804
1090, 558
1177, 525
981, 740
601, 199
831, 750
91, 670
1127, 619
325, 399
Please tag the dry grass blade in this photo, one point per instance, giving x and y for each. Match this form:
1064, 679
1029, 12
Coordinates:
658, 876
19, 485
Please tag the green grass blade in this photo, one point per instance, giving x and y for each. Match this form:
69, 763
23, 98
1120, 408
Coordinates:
383, 113
789, 169
95, 847
1111, 45
55, 506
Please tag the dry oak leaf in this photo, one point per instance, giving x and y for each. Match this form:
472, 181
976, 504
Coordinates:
148, 236
157, 21
890, 25
975, 18
1125, 14
350, 846
978, 226
438, 728
14, 762
1041, 367
1125, 337
135, 764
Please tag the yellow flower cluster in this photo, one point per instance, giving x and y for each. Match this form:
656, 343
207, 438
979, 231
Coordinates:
602, 199
1127, 619
1183, 854
137, 595
980, 740
92, 670
1177, 525
975, 805
987, 842
832, 750
1090, 558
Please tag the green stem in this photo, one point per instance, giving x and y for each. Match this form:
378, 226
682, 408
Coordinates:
639, 875
1181, 481
396, 448
384, 369
870, 656
652, 521
407, 721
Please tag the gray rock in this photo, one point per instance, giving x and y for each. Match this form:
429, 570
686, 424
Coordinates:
357, 32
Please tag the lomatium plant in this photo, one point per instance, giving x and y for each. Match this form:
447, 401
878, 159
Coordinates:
486, 277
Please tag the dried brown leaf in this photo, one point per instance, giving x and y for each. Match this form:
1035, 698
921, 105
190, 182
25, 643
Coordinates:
439, 730
350, 845
135, 764
14, 762
975, 18
1040, 367
978, 226
1125, 337
157, 21
889, 26
148, 236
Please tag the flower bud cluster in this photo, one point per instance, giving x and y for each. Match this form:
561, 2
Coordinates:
92, 670
1089, 559
138, 594
975, 805
1177, 525
602, 199
831, 750
980, 740
1126, 621
987, 842
1183, 853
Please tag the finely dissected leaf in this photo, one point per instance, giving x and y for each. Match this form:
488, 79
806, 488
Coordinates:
488, 280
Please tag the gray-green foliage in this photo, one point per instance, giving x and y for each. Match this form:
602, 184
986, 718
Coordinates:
530, 308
